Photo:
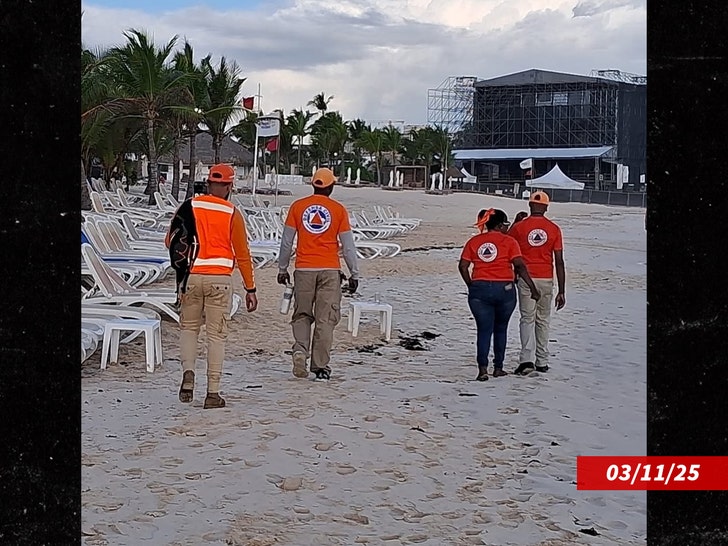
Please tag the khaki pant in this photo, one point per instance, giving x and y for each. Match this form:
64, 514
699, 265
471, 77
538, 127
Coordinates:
534, 322
210, 295
317, 299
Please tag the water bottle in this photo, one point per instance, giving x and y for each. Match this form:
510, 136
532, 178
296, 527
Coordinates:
286, 299
376, 297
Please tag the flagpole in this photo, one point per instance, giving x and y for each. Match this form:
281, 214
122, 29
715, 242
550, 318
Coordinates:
278, 156
255, 160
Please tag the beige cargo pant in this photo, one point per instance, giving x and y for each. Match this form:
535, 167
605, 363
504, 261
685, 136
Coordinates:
210, 295
317, 297
534, 321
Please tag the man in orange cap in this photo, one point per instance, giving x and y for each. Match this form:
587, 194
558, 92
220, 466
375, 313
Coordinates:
215, 236
320, 224
541, 245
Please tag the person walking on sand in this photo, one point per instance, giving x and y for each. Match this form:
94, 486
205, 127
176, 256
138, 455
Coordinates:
491, 294
542, 246
208, 234
320, 224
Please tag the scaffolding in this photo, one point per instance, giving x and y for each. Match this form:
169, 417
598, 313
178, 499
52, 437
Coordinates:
619, 76
544, 115
450, 105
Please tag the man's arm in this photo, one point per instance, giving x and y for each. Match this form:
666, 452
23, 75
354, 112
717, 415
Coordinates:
560, 278
284, 254
349, 251
242, 251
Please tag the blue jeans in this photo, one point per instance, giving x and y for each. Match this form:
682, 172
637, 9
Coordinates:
492, 304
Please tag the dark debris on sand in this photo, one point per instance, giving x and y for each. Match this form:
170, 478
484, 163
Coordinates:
413, 343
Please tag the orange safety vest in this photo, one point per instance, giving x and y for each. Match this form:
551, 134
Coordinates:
213, 220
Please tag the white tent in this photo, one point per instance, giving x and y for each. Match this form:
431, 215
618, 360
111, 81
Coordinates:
555, 178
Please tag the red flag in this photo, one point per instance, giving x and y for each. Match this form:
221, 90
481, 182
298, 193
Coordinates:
248, 103
272, 145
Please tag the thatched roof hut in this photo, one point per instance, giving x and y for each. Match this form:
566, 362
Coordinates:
230, 152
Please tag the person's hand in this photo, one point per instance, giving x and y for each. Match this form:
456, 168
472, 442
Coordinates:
284, 278
251, 302
560, 301
353, 285
520, 216
535, 294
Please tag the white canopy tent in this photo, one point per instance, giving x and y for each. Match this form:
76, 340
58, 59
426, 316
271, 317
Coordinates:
556, 179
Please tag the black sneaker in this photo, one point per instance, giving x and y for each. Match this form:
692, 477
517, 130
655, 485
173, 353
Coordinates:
543, 368
524, 368
499, 372
323, 374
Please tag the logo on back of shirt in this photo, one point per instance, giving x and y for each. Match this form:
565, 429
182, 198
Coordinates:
537, 237
316, 219
487, 252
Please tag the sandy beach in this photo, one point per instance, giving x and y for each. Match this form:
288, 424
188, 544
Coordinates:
401, 446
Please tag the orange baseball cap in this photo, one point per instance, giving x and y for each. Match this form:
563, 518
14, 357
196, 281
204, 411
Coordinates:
539, 197
222, 174
323, 178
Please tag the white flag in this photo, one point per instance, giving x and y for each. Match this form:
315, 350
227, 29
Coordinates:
268, 126
527, 164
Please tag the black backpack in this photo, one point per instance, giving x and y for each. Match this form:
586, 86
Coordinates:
183, 245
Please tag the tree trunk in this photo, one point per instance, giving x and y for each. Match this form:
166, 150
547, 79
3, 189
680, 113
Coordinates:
85, 197
217, 142
175, 168
298, 161
193, 167
153, 181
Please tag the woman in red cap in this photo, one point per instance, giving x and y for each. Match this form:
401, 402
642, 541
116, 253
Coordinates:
494, 257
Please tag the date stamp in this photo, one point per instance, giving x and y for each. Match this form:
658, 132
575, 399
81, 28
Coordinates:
652, 473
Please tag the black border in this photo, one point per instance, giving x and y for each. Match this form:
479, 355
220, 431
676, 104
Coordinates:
687, 379
40, 396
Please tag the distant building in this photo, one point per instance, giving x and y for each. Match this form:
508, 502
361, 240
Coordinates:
589, 125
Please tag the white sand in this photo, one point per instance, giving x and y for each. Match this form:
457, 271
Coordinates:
388, 452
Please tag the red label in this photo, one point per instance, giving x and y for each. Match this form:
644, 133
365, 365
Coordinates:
652, 473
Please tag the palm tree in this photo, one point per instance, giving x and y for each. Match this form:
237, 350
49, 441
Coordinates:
144, 79
373, 143
356, 130
297, 122
320, 102
195, 93
442, 146
222, 107
338, 130
392, 141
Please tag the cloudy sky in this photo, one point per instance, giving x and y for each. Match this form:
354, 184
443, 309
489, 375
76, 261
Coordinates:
378, 58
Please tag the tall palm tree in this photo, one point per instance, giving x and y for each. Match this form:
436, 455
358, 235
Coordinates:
373, 143
297, 122
339, 131
392, 141
320, 102
356, 130
196, 88
144, 79
442, 146
222, 109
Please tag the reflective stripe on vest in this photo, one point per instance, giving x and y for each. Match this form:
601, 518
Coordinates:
213, 221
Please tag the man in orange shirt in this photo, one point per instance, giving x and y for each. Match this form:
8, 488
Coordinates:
320, 223
541, 244
216, 236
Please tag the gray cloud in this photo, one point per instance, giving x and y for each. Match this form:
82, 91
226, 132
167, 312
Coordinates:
379, 61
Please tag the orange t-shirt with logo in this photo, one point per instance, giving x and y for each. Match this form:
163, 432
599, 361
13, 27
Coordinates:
491, 254
318, 220
538, 238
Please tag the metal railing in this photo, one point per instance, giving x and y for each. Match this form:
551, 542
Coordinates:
587, 195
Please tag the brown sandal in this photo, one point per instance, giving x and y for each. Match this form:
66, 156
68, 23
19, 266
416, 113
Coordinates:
187, 388
213, 400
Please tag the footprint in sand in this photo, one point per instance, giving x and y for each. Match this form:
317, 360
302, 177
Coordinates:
171, 462
345, 469
325, 446
358, 518
291, 484
374, 435
371, 418
415, 539
508, 411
